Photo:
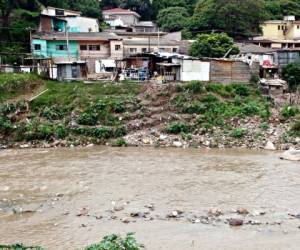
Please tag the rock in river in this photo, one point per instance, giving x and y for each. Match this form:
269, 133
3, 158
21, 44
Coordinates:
291, 155
235, 222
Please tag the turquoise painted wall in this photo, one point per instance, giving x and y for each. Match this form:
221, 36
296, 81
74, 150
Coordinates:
49, 48
58, 25
53, 52
43, 51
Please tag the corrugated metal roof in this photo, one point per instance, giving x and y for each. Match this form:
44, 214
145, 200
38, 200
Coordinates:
153, 41
78, 36
119, 11
252, 48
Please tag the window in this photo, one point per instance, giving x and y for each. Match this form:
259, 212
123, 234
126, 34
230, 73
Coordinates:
298, 27
161, 49
133, 50
144, 50
37, 47
278, 27
94, 47
117, 47
174, 50
83, 47
61, 47
59, 12
282, 27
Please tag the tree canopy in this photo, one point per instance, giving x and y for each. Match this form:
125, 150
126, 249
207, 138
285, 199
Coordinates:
213, 45
235, 17
172, 19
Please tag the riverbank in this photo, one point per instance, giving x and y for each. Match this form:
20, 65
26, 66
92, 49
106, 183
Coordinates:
129, 114
171, 198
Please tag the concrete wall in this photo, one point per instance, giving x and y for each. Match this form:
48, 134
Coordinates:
153, 48
191, 70
53, 52
51, 12
43, 51
82, 24
128, 19
116, 54
283, 58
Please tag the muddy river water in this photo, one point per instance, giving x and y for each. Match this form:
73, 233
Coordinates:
63, 198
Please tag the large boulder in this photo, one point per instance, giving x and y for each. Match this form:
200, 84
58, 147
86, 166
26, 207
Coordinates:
291, 155
270, 146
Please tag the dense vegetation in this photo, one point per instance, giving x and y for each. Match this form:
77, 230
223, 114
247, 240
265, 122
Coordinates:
238, 18
77, 112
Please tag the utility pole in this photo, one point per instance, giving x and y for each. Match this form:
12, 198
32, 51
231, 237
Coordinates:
67, 37
158, 40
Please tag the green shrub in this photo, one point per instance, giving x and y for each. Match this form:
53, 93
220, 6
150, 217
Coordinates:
241, 89
5, 125
238, 133
120, 142
194, 108
120, 131
210, 98
61, 131
194, 87
116, 242
19, 246
296, 126
52, 113
250, 109
119, 107
88, 118
288, 112
177, 128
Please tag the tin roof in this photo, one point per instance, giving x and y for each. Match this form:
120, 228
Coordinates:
77, 36
120, 11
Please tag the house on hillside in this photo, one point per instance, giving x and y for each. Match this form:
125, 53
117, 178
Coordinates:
250, 53
127, 19
60, 20
279, 34
88, 47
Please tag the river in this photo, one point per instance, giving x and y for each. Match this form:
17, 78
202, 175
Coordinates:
62, 198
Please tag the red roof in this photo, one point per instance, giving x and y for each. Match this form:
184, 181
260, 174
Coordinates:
119, 11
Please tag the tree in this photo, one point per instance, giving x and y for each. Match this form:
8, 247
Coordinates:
90, 8
109, 4
291, 73
235, 17
213, 45
158, 5
172, 19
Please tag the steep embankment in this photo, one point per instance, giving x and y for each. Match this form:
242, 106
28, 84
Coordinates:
193, 114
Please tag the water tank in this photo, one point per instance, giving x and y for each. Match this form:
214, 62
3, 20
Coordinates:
289, 18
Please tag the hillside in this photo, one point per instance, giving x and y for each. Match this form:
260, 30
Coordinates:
193, 114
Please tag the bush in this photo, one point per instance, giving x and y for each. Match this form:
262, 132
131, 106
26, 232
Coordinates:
116, 242
5, 125
19, 246
296, 126
194, 87
238, 133
120, 131
241, 89
194, 108
52, 113
119, 107
61, 131
120, 142
177, 128
288, 112
88, 118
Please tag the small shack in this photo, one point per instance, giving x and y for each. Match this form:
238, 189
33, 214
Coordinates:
71, 70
